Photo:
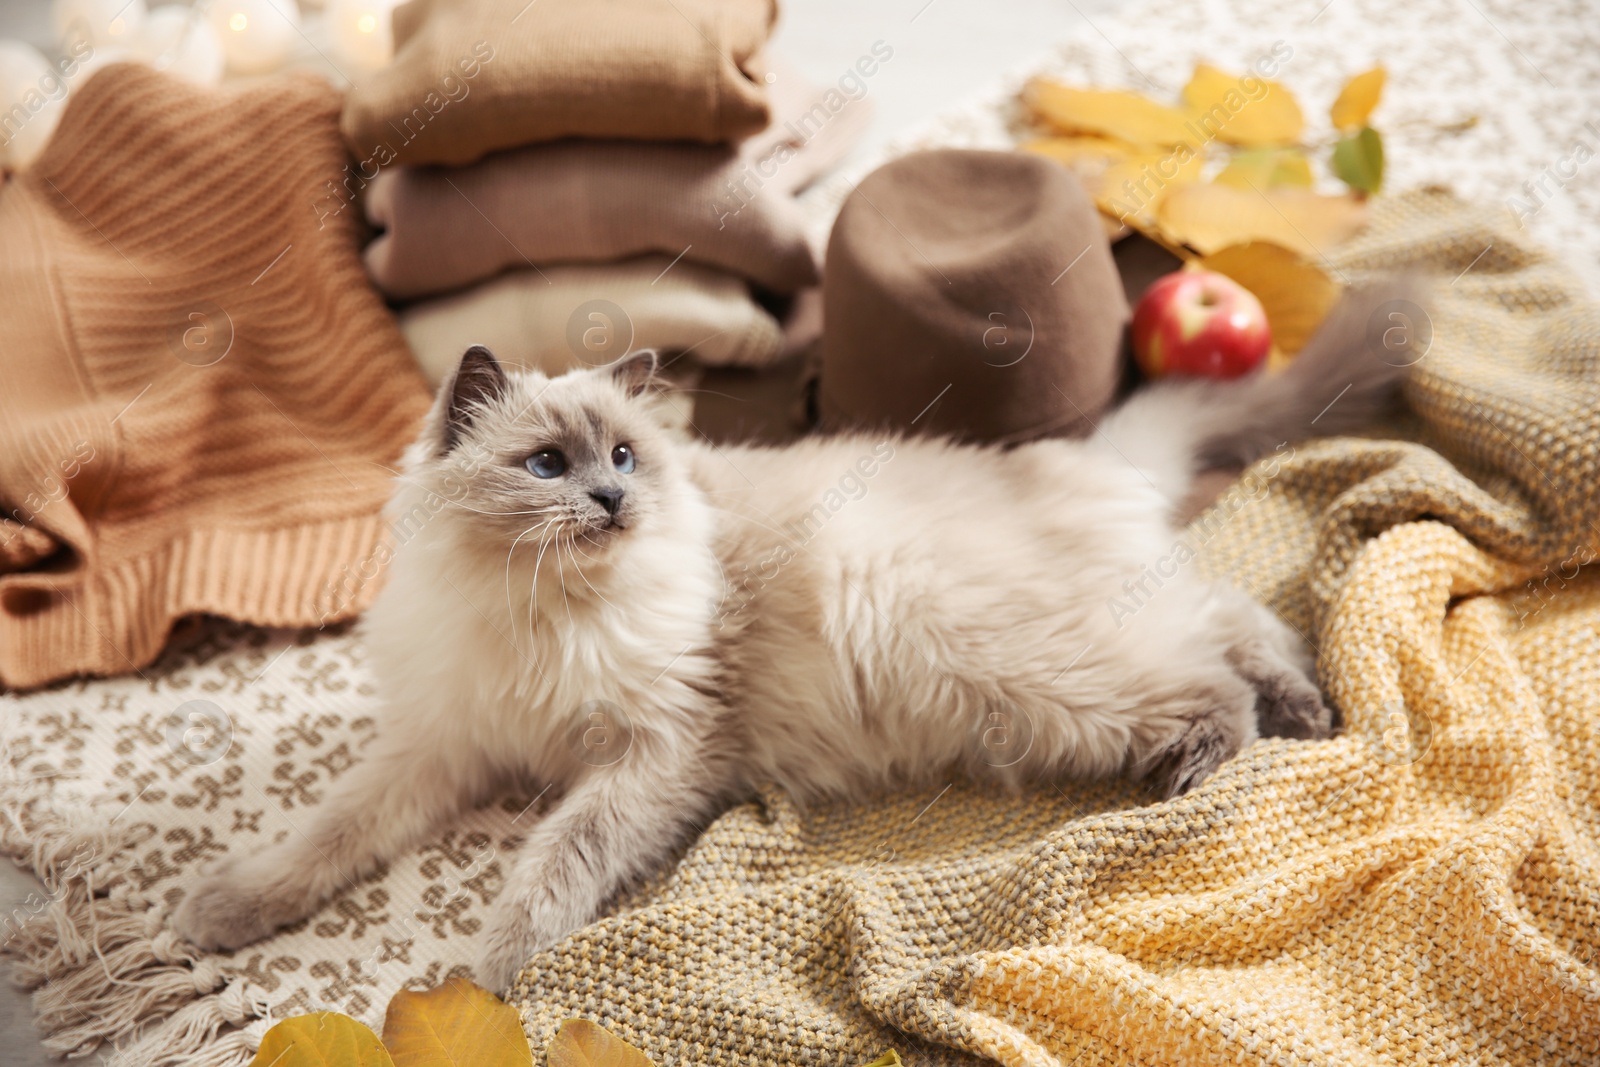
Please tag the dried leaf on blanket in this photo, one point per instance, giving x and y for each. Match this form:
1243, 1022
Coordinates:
1125, 116
1210, 217
1358, 99
1295, 293
456, 1023
581, 1043
1245, 109
321, 1039
1263, 168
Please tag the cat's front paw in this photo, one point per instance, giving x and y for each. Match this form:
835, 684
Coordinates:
224, 910
499, 964
510, 940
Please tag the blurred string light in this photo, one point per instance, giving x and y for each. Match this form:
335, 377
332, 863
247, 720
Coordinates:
257, 36
102, 22
181, 40
361, 31
199, 43
34, 87
31, 93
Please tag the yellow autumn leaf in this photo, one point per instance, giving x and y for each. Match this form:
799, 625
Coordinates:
1080, 153
1242, 110
1262, 168
457, 1024
1090, 159
1295, 293
1132, 189
1108, 113
1209, 217
321, 1039
1357, 99
1126, 182
581, 1043
888, 1059
1087, 157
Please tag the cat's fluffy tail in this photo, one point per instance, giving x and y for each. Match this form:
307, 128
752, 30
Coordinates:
1348, 373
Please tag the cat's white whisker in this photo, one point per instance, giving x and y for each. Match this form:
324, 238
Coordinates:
586, 581
584, 535
561, 572
533, 604
511, 611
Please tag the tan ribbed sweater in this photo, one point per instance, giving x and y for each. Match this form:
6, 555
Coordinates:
202, 393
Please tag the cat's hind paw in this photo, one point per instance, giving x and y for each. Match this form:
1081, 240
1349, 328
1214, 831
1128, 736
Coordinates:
1290, 705
223, 911
1189, 758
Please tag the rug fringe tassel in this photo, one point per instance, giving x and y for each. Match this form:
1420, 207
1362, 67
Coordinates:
97, 954
189, 1037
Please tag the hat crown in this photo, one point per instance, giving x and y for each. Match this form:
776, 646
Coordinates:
980, 283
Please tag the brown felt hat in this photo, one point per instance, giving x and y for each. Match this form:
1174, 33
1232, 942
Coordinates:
969, 294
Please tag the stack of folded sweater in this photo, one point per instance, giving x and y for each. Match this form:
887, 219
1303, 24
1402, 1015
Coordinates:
575, 178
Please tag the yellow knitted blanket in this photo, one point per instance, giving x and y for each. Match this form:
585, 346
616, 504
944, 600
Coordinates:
1425, 887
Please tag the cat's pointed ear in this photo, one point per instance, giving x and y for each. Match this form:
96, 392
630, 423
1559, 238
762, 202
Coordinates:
477, 381
637, 371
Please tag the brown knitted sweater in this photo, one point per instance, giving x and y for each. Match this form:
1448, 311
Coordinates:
470, 77
200, 393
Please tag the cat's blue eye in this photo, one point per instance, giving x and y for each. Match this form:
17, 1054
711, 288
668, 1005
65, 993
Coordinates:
622, 459
546, 464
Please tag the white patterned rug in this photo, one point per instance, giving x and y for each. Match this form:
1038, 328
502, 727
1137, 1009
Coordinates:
115, 791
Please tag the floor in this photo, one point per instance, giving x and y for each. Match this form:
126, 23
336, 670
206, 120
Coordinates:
943, 52
16, 1014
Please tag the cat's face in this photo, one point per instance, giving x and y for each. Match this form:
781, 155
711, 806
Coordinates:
578, 459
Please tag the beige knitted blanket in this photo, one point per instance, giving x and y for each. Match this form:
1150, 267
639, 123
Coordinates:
1423, 888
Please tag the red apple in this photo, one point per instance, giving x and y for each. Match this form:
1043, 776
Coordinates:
1198, 322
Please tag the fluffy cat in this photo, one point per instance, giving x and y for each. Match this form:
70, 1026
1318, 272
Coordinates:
837, 616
